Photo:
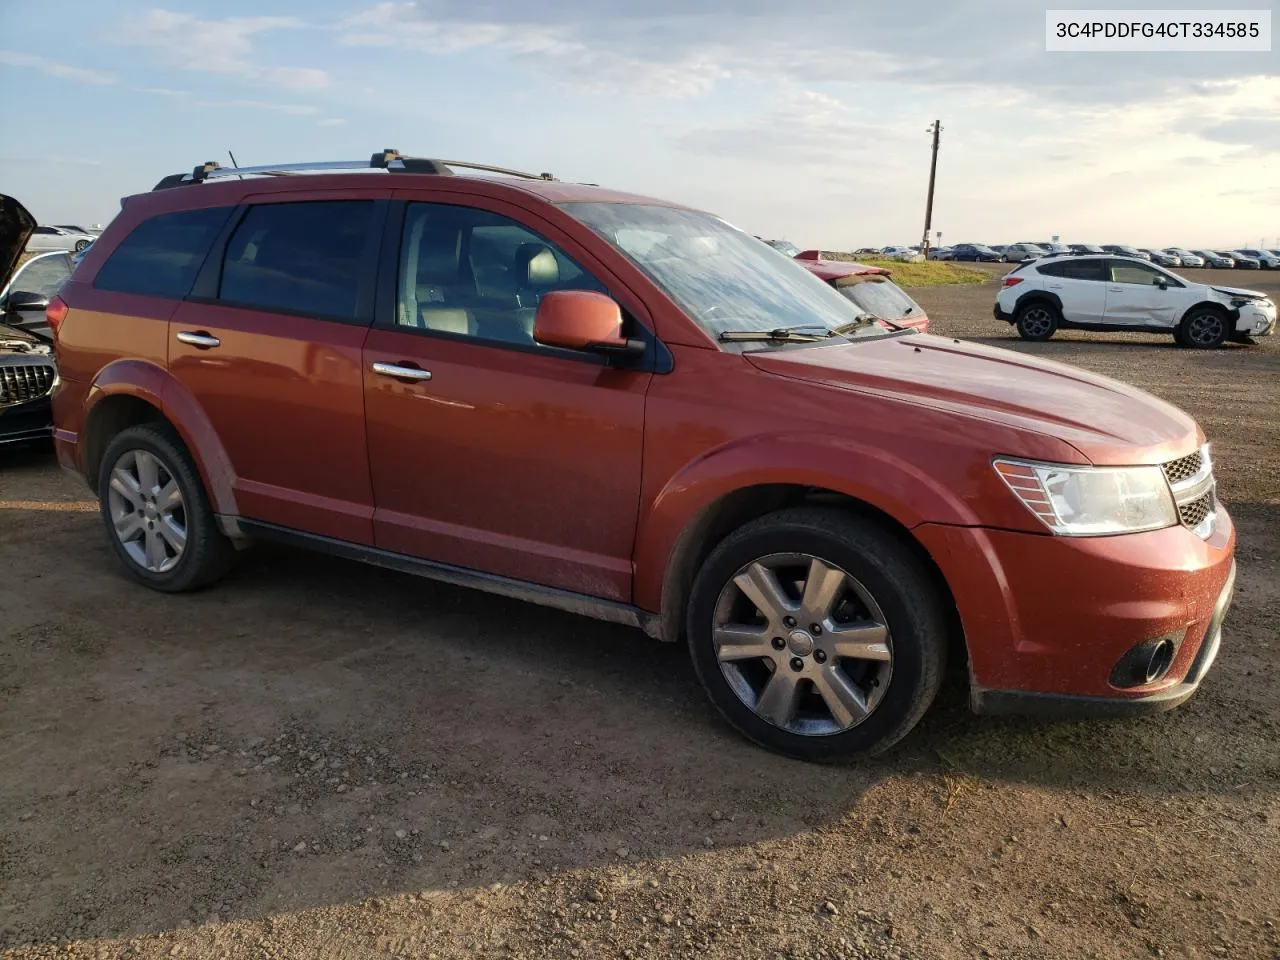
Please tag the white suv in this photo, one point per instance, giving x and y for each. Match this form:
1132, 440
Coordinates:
1125, 293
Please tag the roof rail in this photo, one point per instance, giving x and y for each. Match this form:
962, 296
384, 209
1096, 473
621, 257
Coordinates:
390, 160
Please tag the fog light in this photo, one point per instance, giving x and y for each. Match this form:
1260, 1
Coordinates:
1145, 663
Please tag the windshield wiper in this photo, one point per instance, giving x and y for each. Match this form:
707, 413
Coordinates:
865, 320
781, 334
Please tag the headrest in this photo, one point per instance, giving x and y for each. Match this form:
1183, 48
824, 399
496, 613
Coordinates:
536, 265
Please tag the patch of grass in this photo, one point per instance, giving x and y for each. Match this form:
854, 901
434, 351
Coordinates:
931, 273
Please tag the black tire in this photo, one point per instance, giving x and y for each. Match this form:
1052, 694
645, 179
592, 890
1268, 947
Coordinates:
81, 245
1204, 328
881, 564
1037, 321
207, 554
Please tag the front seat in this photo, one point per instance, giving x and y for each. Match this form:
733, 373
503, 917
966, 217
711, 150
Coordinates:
536, 270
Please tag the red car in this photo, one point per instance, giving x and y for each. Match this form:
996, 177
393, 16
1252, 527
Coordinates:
870, 288
632, 410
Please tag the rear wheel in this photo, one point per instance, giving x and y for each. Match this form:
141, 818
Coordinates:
157, 515
1204, 328
817, 634
81, 245
1037, 320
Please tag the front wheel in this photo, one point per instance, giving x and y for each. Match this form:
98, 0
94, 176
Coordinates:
1204, 329
81, 245
817, 634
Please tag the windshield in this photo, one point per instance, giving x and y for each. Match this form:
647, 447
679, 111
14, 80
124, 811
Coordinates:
881, 297
723, 278
782, 246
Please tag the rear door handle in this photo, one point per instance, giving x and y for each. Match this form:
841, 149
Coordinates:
400, 372
1116, 289
198, 338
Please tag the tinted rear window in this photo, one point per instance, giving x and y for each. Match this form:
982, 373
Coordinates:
299, 257
1074, 269
162, 255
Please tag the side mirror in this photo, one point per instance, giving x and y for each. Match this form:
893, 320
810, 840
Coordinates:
583, 320
26, 300
1162, 283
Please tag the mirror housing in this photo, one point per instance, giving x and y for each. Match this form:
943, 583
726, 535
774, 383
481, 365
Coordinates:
583, 320
26, 300
1162, 283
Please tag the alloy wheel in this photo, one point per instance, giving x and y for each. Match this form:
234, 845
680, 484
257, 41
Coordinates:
802, 644
1037, 321
1204, 328
148, 512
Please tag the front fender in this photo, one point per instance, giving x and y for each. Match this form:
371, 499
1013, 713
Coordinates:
153, 384
868, 473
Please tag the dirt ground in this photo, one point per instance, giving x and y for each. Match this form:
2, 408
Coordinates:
321, 759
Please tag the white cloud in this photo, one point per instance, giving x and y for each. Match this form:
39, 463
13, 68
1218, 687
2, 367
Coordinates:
52, 68
590, 68
802, 126
217, 46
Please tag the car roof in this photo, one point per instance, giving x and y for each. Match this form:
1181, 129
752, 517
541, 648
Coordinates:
231, 191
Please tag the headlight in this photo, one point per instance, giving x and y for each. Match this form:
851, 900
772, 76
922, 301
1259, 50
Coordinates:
1080, 501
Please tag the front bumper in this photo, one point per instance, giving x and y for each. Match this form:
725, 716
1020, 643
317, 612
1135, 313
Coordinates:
24, 422
1062, 705
1046, 619
1256, 320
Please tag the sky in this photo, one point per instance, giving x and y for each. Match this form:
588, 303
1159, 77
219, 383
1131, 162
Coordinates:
798, 121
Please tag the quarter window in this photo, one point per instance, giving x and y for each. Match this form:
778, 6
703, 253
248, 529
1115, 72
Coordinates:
162, 255
478, 274
299, 258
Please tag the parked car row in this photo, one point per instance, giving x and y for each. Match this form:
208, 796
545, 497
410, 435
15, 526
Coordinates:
1244, 259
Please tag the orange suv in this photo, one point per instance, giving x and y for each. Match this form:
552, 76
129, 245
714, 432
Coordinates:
632, 410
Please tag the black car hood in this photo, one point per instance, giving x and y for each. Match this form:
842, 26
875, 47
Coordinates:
16, 225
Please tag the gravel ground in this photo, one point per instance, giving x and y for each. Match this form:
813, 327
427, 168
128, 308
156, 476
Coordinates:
321, 759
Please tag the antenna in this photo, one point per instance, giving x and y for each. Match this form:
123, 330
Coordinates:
233, 162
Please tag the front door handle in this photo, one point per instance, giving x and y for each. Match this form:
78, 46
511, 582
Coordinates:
1116, 289
198, 338
400, 372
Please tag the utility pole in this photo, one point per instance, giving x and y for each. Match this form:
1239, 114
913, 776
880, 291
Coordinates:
935, 129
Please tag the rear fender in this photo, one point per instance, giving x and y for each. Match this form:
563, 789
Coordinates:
151, 383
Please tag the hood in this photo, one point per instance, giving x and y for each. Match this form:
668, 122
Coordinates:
829, 270
1240, 292
1106, 420
16, 226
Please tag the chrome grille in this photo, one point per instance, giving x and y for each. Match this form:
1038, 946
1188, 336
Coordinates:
1184, 468
1192, 514
22, 382
1193, 487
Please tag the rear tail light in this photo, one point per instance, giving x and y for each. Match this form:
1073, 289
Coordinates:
55, 313
1012, 281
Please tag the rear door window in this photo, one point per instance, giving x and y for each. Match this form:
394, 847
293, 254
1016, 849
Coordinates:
162, 255
1083, 269
308, 258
